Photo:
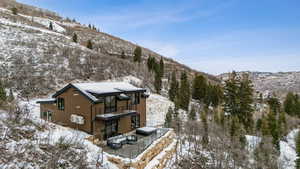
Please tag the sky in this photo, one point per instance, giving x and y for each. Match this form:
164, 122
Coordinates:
213, 36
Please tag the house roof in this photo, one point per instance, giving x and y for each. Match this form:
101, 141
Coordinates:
100, 88
46, 101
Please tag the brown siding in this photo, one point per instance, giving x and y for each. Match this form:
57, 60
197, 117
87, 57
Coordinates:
48, 107
76, 103
124, 124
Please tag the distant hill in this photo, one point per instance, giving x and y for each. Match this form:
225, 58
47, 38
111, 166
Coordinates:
268, 83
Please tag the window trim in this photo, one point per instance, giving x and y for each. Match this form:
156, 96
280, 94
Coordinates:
109, 127
61, 103
135, 121
112, 106
135, 98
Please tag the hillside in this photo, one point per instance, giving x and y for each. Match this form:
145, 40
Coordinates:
35, 60
268, 83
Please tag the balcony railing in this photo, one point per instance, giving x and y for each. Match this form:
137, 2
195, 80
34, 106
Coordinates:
117, 109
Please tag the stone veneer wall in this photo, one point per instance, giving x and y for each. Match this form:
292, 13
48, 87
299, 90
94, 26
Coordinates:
148, 155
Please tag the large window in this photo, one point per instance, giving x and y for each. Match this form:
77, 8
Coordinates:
135, 98
47, 115
61, 104
110, 104
135, 121
111, 128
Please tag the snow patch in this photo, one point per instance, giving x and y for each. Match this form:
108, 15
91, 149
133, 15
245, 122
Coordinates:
157, 108
288, 150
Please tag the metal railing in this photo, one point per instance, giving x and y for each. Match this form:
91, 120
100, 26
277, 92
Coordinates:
117, 109
133, 150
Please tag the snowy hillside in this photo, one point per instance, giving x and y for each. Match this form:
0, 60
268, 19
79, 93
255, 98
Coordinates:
288, 150
45, 59
267, 82
157, 108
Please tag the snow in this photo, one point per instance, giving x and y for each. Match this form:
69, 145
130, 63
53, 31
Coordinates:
46, 100
252, 142
21, 25
147, 129
55, 132
104, 87
46, 23
287, 150
157, 108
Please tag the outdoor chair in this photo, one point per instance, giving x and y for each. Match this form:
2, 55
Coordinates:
131, 139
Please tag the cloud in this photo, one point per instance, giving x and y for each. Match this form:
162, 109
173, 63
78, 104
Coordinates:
144, 14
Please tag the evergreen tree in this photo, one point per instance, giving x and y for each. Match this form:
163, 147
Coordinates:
173, 87
168, 119
192, 113
11, 95
89, 44
205, 138
216, 95
245, 95
90, 26
231, 104
274, 104
274, 129
258, 125
297, 140
157, 82
3, 96
74, 38
208, 96
161, 67
14, 10
123, 56
264, 126
151, 63
234, 126
137, 54
290, 104
199, 88
51, 26
184, 92
238, 98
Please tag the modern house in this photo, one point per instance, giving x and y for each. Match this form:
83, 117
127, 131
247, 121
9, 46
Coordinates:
104, 109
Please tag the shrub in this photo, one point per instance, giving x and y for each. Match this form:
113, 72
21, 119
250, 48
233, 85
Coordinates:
14, 10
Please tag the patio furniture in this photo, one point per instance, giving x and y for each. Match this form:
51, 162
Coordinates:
131, 139
117, 141
146, 131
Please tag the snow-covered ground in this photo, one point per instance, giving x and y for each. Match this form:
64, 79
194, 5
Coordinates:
55, 132
288, 150
46, 22
157, 108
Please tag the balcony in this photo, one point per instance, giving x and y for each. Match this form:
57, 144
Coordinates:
116, 112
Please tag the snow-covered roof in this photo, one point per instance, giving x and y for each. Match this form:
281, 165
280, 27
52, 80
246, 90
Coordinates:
48, 100
106, 87
98, 88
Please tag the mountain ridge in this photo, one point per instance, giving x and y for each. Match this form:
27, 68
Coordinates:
30, 47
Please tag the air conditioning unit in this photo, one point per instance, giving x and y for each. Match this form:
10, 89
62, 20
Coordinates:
77, 119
